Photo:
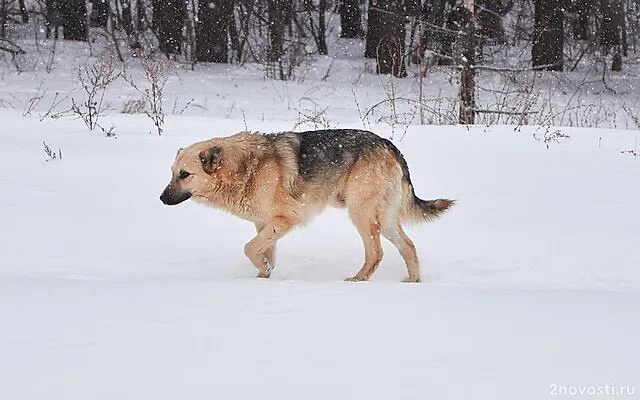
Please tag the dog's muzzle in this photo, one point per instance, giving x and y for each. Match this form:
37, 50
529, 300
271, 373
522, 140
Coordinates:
170, 198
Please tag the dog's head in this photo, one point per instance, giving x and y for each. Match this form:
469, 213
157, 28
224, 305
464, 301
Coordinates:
192, 172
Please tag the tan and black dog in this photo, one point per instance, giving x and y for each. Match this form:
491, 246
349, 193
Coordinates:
281, 180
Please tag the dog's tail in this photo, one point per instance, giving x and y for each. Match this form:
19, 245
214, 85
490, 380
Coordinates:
414, 209
417, 210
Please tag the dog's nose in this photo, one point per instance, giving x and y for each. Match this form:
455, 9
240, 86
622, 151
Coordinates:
165, 197
170, 198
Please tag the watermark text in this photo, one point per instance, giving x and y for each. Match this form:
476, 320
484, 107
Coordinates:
591, 390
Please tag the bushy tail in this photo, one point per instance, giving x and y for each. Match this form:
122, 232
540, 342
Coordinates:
418, 210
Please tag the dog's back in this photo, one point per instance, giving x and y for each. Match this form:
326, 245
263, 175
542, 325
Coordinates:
323, 150
327, 155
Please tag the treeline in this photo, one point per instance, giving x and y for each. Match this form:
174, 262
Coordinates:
281, 33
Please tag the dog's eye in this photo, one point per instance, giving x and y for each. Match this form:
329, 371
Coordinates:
183, 174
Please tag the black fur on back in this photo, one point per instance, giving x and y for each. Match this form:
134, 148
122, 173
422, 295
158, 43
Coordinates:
340, 148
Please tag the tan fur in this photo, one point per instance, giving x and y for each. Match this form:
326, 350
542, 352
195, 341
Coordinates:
258, 180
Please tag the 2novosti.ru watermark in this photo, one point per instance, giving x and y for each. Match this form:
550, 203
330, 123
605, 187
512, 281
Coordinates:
592, 390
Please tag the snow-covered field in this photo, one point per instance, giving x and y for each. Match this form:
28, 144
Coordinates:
531, 282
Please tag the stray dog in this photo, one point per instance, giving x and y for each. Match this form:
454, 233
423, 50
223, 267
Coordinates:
281, 180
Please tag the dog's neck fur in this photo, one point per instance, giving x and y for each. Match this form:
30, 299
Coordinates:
234, 184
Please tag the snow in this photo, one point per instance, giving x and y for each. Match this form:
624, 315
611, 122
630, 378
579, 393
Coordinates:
167, 338
530, 281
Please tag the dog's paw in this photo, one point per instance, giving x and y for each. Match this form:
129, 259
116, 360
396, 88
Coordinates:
263, 274
265, 271
411, 279
355, 278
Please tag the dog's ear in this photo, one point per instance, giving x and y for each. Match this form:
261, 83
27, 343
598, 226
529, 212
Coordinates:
178, 152
210, 159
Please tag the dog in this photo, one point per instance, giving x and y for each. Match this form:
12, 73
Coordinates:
282, 180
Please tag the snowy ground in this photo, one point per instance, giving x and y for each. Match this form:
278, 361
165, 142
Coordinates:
531, 283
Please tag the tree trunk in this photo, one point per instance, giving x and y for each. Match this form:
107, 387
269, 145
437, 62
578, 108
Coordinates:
350, 24
24, 14
214, 20
412, 7
457, 21
581, 10
235, 40
322, 28
49, 18
548, 37
625, 43
276, 11
124, 16
432, 13
386, 37
611, 24
74, 20
581, 26
490, 19
620, 23
124, 7
467, 112
141, 16
374, 27
168, 21
392, 40
3, 18
99, 13
611, 30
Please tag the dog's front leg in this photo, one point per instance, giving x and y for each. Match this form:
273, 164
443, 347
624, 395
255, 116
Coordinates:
261, 249
270, 252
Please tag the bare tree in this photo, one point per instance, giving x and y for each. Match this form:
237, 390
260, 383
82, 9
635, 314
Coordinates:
612, 27
322, 28
350, 21
4, 12
457, 20
95, 80
579, 12
124, 16
169, 17
99, 13
374, 23
215, 18
8, 8
386, 37
276, 12
141, 15
490, 14
319, 33
548, 35
24, 14
156, 74
467, 114
74, 19
52, 19
434, 15
123, 8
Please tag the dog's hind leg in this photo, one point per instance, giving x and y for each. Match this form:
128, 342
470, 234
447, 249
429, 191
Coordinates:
257, 249
407, 249
369, 230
